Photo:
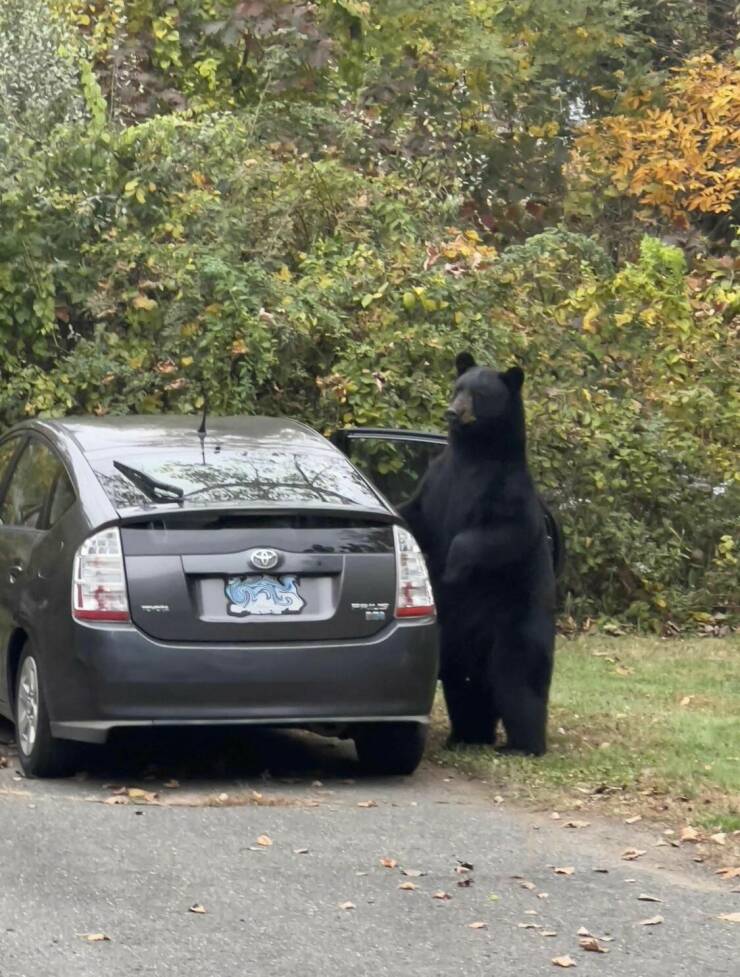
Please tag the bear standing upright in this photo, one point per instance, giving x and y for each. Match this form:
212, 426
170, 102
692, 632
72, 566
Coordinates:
478, 519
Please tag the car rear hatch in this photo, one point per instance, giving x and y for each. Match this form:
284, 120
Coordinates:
259, 531
231, 577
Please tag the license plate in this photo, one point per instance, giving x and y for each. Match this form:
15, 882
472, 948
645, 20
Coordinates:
261, 594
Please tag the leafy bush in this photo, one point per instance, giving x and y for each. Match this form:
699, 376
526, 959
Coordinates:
185, 258
39, 82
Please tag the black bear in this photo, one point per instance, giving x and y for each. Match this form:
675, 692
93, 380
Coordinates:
479, 521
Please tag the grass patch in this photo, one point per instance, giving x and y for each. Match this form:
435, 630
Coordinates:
644, 725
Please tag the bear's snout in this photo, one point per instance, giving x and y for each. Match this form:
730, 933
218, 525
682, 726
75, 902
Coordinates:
460, 410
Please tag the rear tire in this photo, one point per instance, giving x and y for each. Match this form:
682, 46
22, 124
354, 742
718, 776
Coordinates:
391, 749
40, 753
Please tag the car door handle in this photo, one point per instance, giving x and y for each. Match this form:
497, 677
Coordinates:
14, 572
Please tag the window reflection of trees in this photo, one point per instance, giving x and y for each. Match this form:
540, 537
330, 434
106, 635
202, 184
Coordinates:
254, 476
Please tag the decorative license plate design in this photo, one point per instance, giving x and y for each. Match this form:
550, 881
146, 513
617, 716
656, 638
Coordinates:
263, 594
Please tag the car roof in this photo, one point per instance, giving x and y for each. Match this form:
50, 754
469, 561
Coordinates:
108, 435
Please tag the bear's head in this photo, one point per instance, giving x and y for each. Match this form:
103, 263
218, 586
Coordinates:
486, 407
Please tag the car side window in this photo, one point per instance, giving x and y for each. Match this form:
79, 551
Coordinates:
395, 465
63, 497
30, 484
7, 453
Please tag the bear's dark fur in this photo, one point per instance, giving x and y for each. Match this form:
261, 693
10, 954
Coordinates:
478, 519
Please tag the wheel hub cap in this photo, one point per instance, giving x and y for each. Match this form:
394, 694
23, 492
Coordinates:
28, 706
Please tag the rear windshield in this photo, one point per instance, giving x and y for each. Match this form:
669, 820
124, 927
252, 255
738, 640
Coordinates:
252, 477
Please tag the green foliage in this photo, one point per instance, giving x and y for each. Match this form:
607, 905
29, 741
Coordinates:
183, 258
38, 78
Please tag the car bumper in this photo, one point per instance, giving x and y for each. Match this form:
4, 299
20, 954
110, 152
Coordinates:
124, 678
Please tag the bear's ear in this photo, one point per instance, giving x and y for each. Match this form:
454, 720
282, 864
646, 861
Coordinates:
513, 378
464, 362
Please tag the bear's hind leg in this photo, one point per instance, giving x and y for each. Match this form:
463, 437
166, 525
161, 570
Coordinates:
470, 708
525, 722
521, 674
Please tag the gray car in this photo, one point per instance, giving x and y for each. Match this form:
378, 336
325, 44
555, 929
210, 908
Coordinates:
153, 573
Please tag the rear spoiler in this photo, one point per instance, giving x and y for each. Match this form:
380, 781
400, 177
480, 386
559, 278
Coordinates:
173, 512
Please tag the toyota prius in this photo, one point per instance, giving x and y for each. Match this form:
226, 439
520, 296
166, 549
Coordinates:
245, 572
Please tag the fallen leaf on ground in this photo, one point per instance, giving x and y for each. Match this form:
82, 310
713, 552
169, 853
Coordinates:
548, 933
602, 871
644, 897
543, 895
592, 944
300, 851
576, 824
444, 896
346, 905
566, 870
730, 917
464, 866
465, 883
142, 796
197, 908
689, 834
686, 700
95, 937
479, 925
729, 872
582, 931
630, 854
719, 838
114, 799
565, 961
653, 921
412, 873
367, 803
137, 794
407, 885
264, 841
555, 816
529, 926
634, 819
528, 885
388, 862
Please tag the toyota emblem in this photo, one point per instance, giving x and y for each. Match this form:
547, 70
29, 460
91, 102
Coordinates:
264, 559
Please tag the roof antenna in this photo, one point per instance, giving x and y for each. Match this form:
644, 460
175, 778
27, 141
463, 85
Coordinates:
202, 429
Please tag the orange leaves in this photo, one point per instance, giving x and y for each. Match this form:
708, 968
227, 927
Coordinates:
680, 158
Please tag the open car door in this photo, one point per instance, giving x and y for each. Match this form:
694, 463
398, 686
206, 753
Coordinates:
396, 461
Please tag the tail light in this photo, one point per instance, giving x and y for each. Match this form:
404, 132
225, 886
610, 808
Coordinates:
414, 591
99, 579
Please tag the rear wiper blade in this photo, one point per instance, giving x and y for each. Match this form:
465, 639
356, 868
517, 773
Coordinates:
151, 487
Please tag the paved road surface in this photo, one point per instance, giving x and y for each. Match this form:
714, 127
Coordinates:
71, 865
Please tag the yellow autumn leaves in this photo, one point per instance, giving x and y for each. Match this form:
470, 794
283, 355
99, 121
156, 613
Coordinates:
679, 152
